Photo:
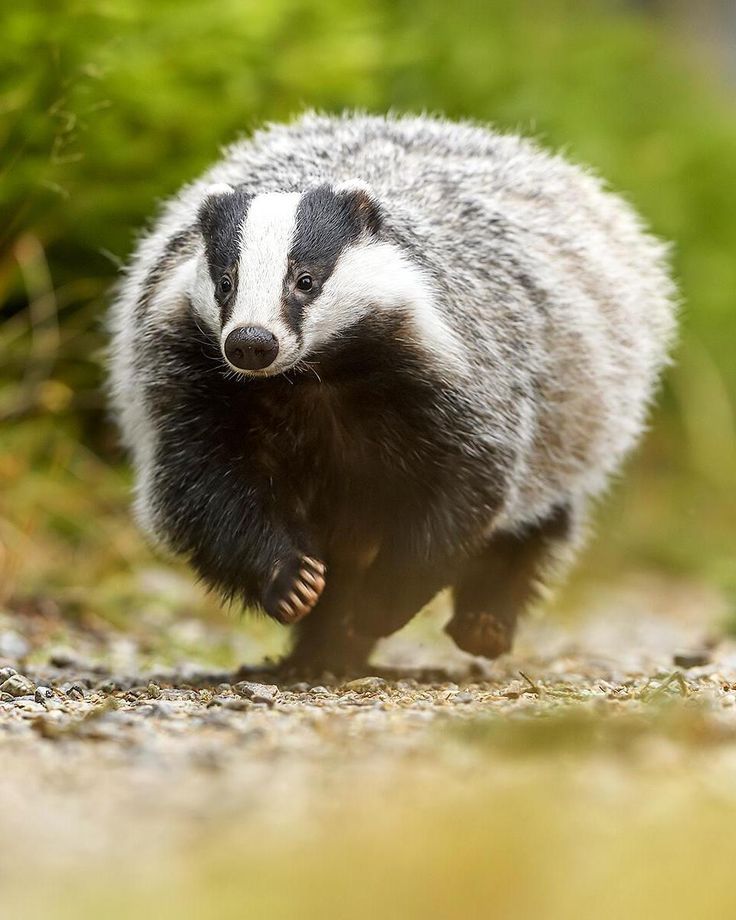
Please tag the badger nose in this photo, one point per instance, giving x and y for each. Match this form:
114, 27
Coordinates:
251, 348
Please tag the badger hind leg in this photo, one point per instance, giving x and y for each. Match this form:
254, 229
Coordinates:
504, 579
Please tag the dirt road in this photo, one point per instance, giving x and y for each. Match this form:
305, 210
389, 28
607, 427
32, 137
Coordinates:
185, 792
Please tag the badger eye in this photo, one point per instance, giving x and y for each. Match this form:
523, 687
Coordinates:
225, 285
304, 282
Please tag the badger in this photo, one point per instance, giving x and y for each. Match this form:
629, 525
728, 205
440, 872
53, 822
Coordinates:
364, 359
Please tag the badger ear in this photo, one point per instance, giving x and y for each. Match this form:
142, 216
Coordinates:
218, 188
363, 203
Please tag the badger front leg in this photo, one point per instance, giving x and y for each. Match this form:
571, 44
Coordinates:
295, 586
503, 580
237, 541
276, 570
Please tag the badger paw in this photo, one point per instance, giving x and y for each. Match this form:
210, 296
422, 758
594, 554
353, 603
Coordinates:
294, 589
480, 634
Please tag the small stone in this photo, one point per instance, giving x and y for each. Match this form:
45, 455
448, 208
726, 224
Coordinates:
18, 685
75, 692
692, 659
154, 691
463, 698
43, 693
257, 693
319, 690
6, 698
301, 687
5, 673
365, 684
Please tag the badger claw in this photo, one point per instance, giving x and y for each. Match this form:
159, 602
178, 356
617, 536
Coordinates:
294, 589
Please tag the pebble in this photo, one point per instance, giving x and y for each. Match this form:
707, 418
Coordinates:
463, 698
43, 693
18, 685
365, 684
111, 686
257, 693
692, 659
5, 673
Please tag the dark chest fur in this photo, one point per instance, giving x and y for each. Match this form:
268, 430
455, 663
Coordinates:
364, 447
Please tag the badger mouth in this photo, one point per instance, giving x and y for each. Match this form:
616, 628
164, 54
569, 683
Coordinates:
298, 366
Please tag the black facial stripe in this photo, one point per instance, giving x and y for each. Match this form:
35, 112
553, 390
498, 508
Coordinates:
326, 223
221, 219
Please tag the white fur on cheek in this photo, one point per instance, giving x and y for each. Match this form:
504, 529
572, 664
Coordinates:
203, 296
267, 236
169, 295
378, 277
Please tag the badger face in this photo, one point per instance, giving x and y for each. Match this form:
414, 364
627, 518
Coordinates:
284, 274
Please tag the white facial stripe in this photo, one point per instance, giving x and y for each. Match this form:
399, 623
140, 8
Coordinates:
378, 276
266, 239
203, 296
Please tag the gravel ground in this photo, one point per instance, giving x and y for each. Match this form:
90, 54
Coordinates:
101, 767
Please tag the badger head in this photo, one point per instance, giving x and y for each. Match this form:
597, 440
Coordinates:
284, 275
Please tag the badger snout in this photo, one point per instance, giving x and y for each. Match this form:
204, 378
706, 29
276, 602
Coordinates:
251, 348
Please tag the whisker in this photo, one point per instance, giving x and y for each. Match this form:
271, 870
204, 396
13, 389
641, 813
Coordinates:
311, 368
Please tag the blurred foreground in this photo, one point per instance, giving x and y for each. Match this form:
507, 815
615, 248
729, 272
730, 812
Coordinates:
588, 775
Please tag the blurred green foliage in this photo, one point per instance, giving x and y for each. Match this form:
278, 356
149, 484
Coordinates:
108, 106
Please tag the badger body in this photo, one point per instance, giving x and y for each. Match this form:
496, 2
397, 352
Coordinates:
363, 359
